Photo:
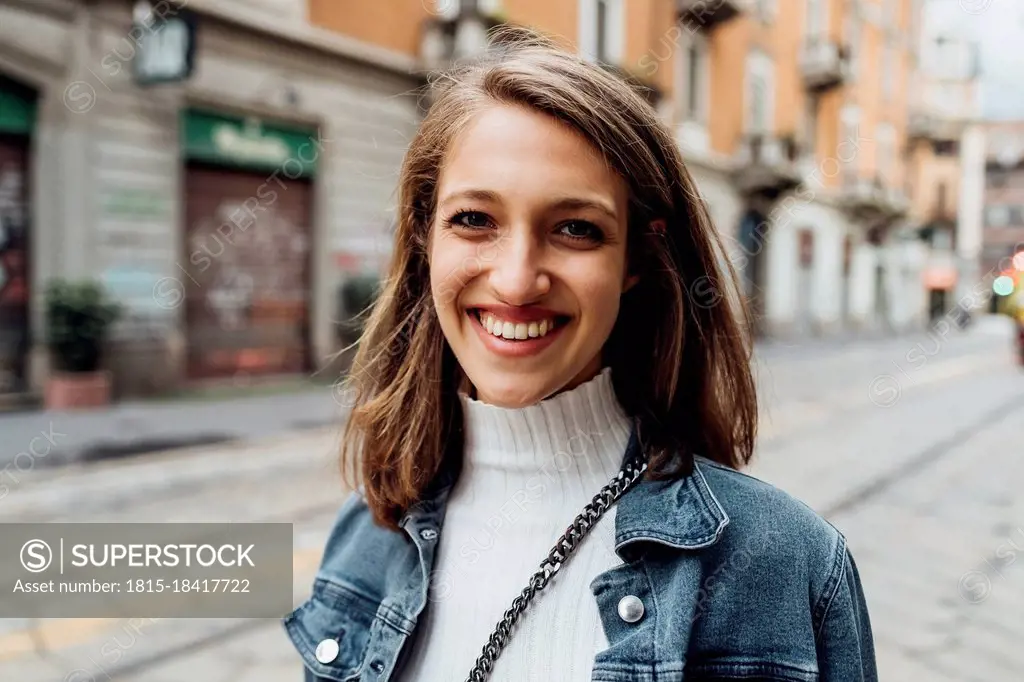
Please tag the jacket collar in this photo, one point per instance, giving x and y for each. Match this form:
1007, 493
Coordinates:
683, 513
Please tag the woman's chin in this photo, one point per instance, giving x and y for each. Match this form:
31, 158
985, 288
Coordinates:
511, 392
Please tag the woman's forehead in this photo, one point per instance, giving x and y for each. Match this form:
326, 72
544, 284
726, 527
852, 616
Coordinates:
510, 150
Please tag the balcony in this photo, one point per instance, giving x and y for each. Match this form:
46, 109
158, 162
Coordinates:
874, 203
767, 166
704, 15
939, 110
824, 64
447, 40
928, 125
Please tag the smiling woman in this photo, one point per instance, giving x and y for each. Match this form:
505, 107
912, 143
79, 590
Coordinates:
557, 369
556, 213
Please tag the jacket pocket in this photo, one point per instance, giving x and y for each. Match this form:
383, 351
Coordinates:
721, 670
339, 621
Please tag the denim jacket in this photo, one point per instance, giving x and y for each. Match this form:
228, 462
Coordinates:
738, 580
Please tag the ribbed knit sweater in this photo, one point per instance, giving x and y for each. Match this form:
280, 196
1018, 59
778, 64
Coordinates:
527, 473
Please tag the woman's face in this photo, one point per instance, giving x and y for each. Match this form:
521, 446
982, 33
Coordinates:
527, 255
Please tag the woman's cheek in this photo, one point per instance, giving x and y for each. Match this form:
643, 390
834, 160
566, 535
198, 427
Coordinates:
448, 276
603, 292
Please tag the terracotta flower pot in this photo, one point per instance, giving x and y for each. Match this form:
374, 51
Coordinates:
77, 390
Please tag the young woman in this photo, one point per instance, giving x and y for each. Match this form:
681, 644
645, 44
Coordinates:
552, 398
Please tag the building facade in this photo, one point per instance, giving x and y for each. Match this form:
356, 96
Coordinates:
223, 211
226, 209
1003, 236
946, 160
791, 115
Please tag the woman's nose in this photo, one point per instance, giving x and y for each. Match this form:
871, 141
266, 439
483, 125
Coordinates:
518, 274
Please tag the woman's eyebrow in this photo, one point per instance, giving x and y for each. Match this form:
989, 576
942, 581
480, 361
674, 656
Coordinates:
473, 194
577, 204
562, 204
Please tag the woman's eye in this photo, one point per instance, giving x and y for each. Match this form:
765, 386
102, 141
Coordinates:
474, 219
582, 230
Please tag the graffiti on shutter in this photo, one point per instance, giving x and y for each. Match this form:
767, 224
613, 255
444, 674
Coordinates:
13, 266
247, 303
13, 289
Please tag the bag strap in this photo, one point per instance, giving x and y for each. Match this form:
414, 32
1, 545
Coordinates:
630, 473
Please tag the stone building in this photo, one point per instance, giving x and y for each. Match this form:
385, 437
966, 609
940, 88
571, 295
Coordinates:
223, 209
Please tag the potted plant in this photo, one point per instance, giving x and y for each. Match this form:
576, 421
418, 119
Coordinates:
79, 316
354, 298
357, 295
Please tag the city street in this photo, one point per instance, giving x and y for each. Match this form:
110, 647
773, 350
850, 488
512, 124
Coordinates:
911, 446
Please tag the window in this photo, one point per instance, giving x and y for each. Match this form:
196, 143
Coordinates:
450, 9
817, 19
852, 35
811, 130
694, 68
946, 147
758, 104
602, 30
849, 119
941, 197
806, 248
890, 70
760, 80
890, 15
694, 60
885, 147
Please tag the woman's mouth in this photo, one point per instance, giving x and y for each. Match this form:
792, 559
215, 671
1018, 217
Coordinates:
508, 337
517, 331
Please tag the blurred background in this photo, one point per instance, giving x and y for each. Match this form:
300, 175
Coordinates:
197, 197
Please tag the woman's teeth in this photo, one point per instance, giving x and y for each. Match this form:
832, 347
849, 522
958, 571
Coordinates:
515, 330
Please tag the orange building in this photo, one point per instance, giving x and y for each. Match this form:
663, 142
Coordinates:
792, 116
944, 111
1003, 232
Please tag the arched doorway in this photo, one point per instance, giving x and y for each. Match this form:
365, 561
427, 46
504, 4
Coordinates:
753, 234
804, 282
844, 300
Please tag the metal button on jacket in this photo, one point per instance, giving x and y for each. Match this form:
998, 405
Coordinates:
428, 534
631, 609
327, 650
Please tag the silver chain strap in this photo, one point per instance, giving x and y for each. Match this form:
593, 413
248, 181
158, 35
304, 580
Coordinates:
630, 473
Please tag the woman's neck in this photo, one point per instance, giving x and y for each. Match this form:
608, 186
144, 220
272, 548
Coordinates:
572, 442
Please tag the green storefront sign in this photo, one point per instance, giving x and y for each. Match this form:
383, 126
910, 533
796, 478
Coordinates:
17, 108
248, 143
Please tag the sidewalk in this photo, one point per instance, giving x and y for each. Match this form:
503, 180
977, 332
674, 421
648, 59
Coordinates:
981, 325
38, 439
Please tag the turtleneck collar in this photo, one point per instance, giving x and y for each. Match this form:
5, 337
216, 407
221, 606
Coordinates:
578, 435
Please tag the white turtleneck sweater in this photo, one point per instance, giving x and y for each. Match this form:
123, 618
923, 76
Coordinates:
527, 473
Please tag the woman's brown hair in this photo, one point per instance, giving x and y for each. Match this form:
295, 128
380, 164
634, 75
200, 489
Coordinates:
679, 353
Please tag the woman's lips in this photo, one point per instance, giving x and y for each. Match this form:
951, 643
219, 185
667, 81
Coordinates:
516, 347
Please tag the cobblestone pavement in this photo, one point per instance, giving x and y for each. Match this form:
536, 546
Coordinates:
912, 447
